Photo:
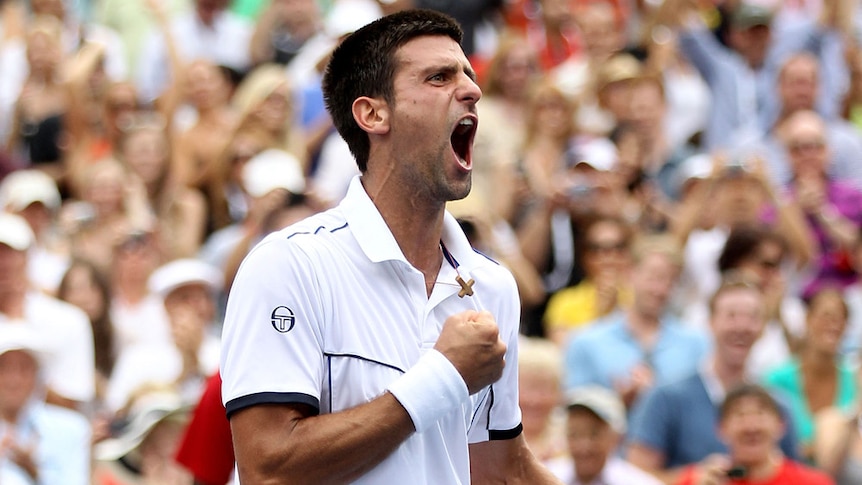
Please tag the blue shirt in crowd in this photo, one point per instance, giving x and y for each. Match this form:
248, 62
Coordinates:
606, 352
680, 421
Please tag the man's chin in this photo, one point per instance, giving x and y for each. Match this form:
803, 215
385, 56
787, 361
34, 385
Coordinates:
460, 190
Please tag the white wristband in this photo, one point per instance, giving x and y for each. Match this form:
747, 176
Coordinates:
430, 389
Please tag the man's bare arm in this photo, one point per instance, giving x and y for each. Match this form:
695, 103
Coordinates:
288, 444
507, 461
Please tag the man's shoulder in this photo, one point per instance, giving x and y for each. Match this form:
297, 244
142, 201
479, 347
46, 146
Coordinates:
59, 421
609, 327
795, 472
500, 274
681, 389
678, 330
312, 233
841, 130
47, 310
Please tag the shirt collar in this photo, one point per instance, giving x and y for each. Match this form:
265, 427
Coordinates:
714, 389
377, 242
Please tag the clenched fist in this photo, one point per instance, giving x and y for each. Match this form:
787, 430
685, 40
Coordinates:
471, 341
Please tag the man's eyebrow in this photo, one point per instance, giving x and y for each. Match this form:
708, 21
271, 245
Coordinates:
454, 69
470, 73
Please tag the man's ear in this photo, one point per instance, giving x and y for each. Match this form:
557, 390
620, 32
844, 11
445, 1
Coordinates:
372, 115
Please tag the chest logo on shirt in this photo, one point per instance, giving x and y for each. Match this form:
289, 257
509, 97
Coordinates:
283, 319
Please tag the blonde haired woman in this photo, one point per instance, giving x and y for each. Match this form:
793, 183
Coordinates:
540, 366
264, 102
38, 119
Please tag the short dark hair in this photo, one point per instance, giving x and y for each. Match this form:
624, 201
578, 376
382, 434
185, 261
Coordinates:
732, 280
745, 390
742, 243
364, 64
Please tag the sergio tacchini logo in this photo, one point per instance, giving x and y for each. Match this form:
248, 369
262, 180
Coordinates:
283, 319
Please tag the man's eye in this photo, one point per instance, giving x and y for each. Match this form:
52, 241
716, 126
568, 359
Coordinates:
437, 77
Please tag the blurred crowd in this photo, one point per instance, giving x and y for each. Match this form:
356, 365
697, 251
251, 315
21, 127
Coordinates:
676, 186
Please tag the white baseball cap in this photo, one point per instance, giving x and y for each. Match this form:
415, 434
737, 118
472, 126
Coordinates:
603, 402
20, 336
181, 272
272, 169
24, 187
15, 232
599, 153
698, 166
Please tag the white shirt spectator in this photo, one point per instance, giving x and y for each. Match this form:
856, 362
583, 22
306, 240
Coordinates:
700, 277
225, 42
688, 104
159, 364
143, 323
853, 334
46, 268
13, 66
68, 340
616, 472
14, 69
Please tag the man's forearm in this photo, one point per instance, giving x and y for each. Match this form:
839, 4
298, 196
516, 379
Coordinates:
329, 448
508, 462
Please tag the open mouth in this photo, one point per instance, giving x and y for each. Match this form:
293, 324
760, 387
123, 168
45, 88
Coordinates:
462, 141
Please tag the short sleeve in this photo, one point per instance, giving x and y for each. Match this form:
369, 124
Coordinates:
272, 346
71, 372
497, 415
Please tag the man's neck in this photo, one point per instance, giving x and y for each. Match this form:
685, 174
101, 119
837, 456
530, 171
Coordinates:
12, 304
644, 327
131, 292
207, 19
761, 472
416, 225
728, 374
589, 479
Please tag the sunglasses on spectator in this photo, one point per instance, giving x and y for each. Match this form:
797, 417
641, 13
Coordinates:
766, 263
806, 145
606, 247
135, 241
116, 105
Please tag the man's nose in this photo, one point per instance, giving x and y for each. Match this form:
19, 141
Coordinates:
469, 90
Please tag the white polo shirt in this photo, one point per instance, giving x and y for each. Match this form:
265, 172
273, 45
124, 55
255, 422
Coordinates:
329, 313
67, 337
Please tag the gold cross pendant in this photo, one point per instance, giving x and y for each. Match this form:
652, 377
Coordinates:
466, 286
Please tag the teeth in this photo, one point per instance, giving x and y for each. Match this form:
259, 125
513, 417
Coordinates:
466, 122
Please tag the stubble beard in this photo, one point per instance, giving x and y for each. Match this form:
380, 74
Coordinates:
430, 173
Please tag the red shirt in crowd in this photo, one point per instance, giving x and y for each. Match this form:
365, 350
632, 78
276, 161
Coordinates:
790, 473
207, 448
